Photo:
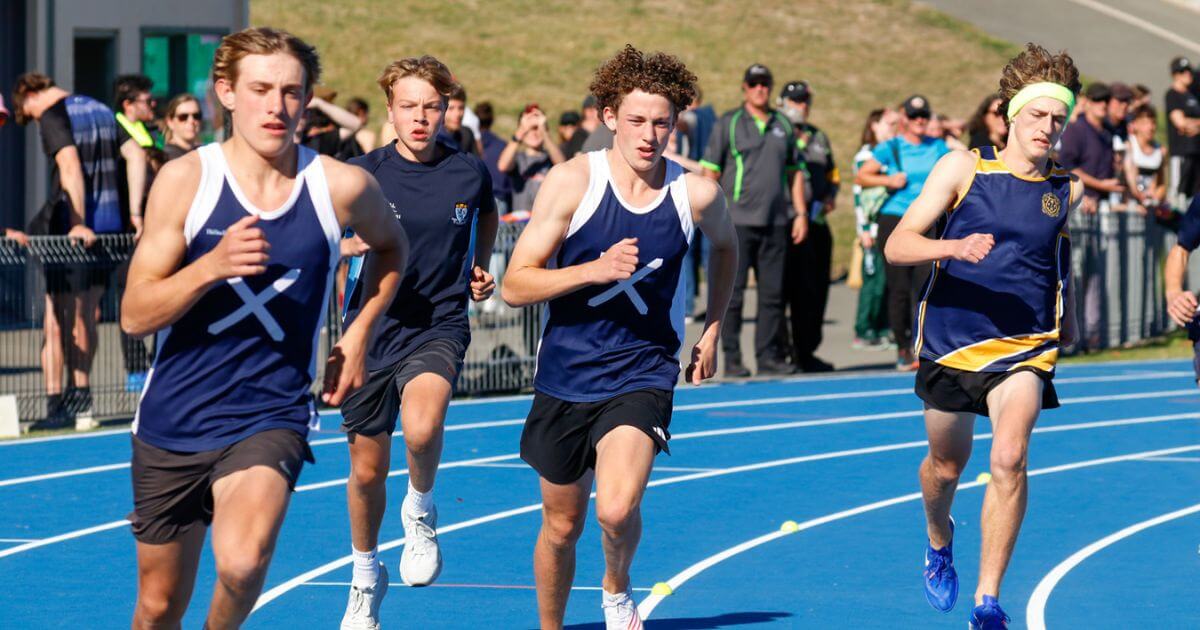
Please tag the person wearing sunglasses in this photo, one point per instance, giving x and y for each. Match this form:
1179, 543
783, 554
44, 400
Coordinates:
907, 160
752, 153
183, 121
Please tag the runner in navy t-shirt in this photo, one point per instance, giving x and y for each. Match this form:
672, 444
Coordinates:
443, 198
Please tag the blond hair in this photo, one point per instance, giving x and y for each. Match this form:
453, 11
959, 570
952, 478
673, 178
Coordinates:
427, 68
1036, 65
264, 41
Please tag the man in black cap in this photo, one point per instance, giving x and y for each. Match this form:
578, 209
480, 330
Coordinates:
1183, 133
806, 280
570, 136
751, 151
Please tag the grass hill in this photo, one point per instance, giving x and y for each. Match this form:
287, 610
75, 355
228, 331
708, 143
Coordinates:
856, 54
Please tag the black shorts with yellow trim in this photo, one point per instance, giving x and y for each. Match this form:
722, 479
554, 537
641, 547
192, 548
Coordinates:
959, 391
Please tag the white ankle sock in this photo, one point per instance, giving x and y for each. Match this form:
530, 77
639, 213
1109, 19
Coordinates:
611, 598
366, 567
417, 502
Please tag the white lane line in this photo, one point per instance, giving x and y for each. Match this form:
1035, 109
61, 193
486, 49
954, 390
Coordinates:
404, 471
341, 439
656, 468
281, 589
59, 438
65, 473
1135, 376
1035, 611
684, 436
1137, 22
498, 458
647, 606
12, 551
1173, 459
522, 587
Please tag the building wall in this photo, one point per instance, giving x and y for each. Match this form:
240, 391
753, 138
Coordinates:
53, 25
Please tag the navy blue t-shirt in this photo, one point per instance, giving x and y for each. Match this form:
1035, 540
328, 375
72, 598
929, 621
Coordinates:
439, 204
1189, 228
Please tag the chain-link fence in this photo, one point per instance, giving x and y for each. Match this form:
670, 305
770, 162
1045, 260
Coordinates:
57, 286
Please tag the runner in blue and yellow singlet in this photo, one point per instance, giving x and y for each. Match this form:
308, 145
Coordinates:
993, 314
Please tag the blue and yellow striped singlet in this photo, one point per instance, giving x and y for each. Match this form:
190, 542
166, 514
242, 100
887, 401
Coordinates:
1003, 312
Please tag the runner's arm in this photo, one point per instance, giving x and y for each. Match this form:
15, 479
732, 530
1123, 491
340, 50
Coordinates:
711, 216
158, 292
527, 280
908, 245
360, 206
1070, 325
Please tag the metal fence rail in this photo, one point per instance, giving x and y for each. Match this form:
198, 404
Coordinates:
54, 271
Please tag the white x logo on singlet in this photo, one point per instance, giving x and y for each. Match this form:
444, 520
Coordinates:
626, 286
255, 304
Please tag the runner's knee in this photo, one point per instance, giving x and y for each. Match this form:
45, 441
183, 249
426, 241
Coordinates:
562, 528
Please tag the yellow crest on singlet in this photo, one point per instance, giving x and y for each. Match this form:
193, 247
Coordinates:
1051, 205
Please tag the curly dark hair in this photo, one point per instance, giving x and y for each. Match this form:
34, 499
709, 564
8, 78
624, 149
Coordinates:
1036, 65
658, 73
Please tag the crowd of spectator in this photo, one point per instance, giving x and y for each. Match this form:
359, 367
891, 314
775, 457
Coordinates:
776, 167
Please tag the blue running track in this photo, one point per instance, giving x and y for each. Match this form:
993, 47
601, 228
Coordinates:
1110, 540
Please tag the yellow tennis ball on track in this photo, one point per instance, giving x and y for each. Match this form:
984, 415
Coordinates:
983, 477
789, 526
662, 589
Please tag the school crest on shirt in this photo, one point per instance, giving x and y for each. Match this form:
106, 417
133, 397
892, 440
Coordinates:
461, 210
1051, 205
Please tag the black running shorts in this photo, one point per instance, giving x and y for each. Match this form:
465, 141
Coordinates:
560, 437
172, 491
373, 408
948, 389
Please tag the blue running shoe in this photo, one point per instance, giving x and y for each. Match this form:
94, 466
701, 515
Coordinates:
989, 616
941, 581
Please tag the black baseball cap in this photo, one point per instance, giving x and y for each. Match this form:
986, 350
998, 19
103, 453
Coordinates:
1120, 92
1180, 64
1098, 92
569, 118
758, 73
589, 101
796, 91
917, 106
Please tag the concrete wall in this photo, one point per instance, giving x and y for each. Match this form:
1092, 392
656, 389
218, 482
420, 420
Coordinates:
53, 24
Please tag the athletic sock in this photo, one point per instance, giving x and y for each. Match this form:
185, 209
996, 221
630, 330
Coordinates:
417, 502
610, 598
366, 567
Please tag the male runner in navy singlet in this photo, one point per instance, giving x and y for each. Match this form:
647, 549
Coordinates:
233, 272
604, 250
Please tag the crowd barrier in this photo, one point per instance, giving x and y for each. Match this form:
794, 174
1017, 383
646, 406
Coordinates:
54, 272
57, 273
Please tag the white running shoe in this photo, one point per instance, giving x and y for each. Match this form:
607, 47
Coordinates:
362, 611
421, 561
620, 614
